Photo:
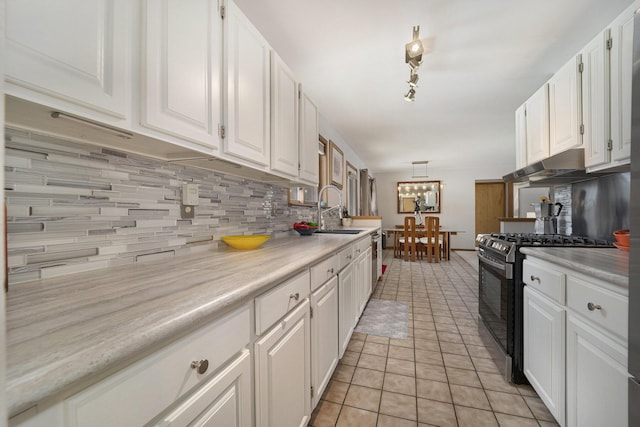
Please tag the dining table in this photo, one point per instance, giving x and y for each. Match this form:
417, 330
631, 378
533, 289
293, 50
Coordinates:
445, 232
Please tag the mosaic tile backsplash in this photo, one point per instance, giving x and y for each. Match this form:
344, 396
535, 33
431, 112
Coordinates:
75, 207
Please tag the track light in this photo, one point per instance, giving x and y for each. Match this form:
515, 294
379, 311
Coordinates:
413, 57
413, 79
414, 49
411, 95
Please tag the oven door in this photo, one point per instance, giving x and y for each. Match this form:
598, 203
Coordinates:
496, 301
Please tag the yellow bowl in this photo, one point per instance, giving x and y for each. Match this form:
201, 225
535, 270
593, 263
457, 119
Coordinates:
246, 242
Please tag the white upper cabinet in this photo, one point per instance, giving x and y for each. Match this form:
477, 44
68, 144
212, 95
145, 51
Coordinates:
621, 71
308, 141
595, 105
247, 93
182, 55
537, 125
564, 108
73, 55
521, 137
284, 118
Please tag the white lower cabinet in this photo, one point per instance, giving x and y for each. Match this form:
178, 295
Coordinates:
575, 344
544, 349
165, 388
324, 337
597, 377
224, 401
346, 306
363, 280
282, 374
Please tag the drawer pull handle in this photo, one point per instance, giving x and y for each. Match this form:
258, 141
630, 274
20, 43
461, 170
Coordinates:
295, 296
591, 306
330, 271
535, 278
200, 366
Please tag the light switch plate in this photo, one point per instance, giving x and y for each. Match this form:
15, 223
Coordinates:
190, 196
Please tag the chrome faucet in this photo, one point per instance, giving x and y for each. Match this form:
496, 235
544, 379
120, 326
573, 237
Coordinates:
321, 224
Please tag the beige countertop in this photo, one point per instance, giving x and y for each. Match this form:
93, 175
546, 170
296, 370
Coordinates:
66, 331
610, 265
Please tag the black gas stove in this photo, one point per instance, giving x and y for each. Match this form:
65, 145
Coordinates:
501, 288
505, 245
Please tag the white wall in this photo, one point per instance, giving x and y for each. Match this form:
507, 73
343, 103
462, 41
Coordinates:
457, 197
329, 132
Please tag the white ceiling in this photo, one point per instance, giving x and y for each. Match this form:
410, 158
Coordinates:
489, 57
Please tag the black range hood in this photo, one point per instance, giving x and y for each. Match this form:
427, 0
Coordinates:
563, 168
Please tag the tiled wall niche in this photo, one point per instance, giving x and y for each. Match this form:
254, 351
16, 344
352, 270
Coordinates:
75, 207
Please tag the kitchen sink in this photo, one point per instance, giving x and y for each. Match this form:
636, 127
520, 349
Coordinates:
339, 231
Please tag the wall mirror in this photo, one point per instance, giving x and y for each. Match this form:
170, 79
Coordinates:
427, 194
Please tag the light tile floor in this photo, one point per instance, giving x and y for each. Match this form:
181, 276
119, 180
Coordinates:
441, 375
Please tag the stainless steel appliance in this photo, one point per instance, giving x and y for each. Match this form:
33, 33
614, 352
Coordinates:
547, 217
634, 253
501, 290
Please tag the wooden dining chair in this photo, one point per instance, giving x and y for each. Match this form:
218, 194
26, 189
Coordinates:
407, 242
432, 243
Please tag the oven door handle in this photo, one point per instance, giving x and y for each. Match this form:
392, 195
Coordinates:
503, 267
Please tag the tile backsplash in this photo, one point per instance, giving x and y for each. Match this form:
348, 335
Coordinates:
75, 207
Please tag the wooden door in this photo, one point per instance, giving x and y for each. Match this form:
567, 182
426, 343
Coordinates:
490, 205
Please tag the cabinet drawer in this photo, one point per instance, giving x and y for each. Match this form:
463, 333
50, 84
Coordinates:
277, 302
362, 245
346, 256
140, 392
607, 309
323, 271
550, 282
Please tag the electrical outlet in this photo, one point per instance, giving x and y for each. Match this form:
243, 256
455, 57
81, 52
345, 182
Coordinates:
187, 211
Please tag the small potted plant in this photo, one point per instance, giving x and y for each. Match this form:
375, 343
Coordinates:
346, 218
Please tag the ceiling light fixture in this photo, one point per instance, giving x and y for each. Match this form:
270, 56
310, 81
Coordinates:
413, 57
420, 164
413, 79
411, 95
415, 48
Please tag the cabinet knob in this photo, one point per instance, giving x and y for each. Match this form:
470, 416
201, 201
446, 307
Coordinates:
535, 278
200, 366
295, 296
591, 306
330, 271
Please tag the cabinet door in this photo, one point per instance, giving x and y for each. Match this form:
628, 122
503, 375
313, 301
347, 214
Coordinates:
283, 372
621, 71
284, 118
564, 108
73, 52
324, 337
537, 125
247, 89
308, 141
224, 401
181, 69
346, 303
521, 137
544, 351
597, 377
363, 283
595, 101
